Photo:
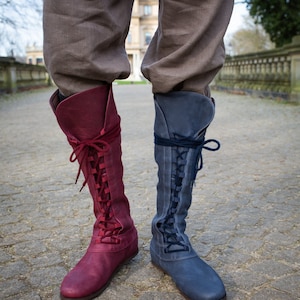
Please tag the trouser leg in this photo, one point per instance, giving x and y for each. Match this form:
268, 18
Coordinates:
187, 49
84, 42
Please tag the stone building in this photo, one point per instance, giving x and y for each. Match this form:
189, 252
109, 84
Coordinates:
142, 28
34, 55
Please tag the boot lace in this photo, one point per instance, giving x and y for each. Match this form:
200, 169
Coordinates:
91, 152
181, 146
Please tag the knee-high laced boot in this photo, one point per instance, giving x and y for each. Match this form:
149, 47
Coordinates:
180, 125
92, 126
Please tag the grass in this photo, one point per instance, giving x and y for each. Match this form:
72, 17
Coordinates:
123, 82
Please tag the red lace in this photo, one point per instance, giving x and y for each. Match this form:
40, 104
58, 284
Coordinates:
85, 152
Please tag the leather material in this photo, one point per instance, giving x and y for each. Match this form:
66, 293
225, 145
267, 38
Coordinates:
92, 126
181, 118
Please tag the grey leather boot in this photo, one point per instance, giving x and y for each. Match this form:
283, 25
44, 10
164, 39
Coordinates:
180, 125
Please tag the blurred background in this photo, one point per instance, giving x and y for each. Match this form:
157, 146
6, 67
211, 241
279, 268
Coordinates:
256, 26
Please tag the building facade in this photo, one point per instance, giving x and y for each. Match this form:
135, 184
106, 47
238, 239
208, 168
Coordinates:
34, 55
142, 28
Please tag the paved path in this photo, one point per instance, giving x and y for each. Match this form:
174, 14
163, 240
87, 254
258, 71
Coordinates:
244, 218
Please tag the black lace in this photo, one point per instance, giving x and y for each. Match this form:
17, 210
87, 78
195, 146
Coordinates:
181, 146
188, 143
172, 238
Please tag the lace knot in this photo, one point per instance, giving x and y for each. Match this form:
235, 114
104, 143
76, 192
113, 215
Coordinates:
82, 149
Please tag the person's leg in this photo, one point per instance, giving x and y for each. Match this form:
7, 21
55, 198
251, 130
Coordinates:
187, 49
84, 42
184, 56
84, 51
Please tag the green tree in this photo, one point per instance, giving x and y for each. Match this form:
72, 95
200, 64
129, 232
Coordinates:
279, 18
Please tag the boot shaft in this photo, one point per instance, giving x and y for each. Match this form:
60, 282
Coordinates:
182, 115
85, 115
92, 126
180, 126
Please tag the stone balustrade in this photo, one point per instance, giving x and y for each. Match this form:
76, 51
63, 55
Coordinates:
15, 76
274, 73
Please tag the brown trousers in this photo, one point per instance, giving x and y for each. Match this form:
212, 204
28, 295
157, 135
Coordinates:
84, 43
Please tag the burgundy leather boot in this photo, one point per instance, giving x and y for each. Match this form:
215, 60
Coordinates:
92, 126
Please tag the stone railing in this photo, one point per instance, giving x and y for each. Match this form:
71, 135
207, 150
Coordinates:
274, 73
15, 76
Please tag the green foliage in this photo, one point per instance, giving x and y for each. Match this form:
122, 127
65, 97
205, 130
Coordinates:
280, 18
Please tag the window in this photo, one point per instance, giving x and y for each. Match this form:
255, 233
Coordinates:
129, 38
39, 61
148, 37
147, 10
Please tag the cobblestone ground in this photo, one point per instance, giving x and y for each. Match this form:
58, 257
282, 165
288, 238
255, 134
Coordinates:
244, 219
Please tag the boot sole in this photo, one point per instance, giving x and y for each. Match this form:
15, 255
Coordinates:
99, 292
185, 296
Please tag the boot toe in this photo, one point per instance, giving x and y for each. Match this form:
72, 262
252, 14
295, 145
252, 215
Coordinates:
93, 273
194, 278
77, 286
